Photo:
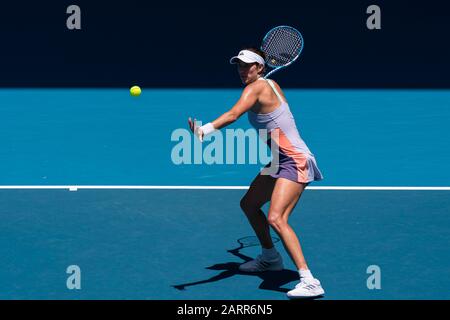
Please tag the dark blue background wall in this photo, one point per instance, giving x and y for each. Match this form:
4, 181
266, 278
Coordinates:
188, 43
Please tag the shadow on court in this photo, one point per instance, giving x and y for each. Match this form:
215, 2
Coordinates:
271, 280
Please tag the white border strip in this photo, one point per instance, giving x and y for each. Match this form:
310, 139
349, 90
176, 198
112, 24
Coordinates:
75, 187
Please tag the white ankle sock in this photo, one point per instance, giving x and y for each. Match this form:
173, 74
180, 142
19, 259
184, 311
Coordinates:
269, 254
305, 274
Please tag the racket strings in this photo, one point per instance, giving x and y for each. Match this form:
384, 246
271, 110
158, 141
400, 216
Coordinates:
282, 46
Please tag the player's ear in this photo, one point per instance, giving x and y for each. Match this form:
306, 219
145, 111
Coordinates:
260, 68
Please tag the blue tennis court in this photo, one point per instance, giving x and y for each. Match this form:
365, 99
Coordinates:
135, 236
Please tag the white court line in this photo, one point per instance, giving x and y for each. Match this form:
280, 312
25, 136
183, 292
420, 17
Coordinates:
76, 187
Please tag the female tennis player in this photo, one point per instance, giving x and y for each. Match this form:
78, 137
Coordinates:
267, 108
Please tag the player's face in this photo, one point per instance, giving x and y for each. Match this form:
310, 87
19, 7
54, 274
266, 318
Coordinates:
248, 72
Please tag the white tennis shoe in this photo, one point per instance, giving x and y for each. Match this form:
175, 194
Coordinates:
307, 288
260, 264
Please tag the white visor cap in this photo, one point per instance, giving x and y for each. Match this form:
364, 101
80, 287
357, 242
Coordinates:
247, 56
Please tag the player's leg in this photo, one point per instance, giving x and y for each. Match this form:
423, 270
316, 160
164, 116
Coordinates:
258, 194
285, 197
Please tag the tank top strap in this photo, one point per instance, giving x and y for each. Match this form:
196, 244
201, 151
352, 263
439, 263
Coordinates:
273, 88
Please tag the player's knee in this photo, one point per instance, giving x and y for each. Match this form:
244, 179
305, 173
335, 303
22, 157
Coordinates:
248, 206
276, 220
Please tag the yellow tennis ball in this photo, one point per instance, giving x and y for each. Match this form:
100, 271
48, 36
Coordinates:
135, 91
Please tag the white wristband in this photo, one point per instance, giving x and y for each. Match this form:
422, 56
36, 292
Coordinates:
207, 128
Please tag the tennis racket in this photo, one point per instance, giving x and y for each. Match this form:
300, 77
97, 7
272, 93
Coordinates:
251, 241
282, 46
